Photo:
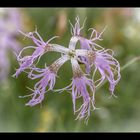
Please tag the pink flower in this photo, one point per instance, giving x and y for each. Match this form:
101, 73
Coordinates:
41, 48
108, 67
48, 79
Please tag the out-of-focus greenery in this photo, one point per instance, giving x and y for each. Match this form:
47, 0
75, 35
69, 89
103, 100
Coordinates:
56, 112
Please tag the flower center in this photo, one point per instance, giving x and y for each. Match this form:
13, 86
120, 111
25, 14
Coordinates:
72, 53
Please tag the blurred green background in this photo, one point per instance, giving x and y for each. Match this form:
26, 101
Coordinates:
56, 112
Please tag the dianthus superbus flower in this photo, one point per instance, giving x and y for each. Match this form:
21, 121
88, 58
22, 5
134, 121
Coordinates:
86, 43
48, 78
83, 83
80, 84
108, 67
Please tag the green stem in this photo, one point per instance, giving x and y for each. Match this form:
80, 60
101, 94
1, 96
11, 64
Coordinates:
123, 67
130, 62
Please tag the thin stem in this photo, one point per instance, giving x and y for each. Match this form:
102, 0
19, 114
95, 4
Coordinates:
122, 68
130, 62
